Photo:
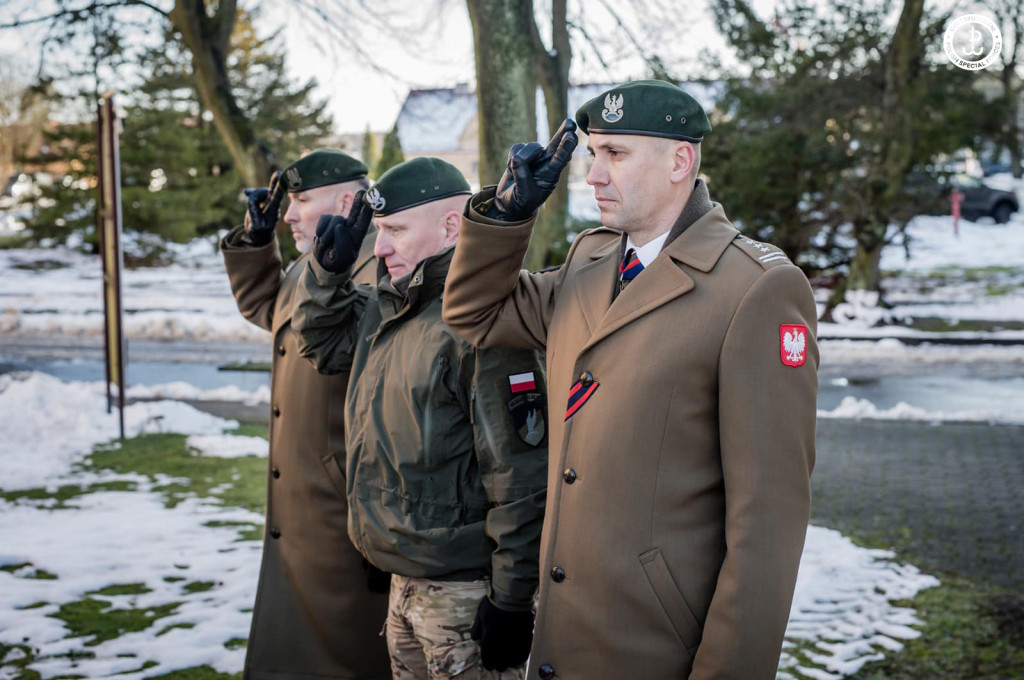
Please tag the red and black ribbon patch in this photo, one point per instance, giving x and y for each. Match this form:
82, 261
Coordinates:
579, 394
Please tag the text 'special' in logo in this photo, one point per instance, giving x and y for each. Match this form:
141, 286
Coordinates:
375, 200
972, 42
612, 108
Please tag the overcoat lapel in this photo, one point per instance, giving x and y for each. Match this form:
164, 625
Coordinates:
664, 280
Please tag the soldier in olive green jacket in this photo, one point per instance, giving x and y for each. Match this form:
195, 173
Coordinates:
314, 616
446, 443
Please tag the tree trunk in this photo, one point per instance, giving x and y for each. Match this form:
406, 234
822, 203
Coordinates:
208, 38
886, 175
553, 76
505, 80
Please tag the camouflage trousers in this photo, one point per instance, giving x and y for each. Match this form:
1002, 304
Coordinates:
428, 631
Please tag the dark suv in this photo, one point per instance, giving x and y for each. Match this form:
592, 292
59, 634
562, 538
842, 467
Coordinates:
981, 200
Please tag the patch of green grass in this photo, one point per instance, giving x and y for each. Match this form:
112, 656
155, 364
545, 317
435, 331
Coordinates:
168, 629
65, 493
250, 430
145, 666
248, 366
19, 665
936, 324
173, 579
166, 454
236, 643
198, 586
13, 242
963, 637
995, 289
197, 673
96, 620
34, 574
34, 605
247, 531
122, 589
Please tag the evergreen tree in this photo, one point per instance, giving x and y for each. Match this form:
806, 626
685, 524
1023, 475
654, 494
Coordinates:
178, 178
391, 153
369, 149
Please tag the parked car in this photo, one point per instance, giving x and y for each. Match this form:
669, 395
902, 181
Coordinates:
981, 200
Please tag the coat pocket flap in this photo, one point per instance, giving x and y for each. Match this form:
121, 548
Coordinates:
671, 599
330, 464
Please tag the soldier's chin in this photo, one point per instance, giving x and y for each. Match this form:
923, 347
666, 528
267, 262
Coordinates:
303, 245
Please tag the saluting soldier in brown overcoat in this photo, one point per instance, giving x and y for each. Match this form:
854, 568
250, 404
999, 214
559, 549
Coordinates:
314, 616
682, 384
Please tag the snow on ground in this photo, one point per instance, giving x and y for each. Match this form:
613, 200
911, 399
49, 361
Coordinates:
191, 299
857, 409
842, 605
117, 538
179, 390
841, 609
934, 246
228, 445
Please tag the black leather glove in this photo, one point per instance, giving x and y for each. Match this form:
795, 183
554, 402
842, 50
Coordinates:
338, 238
505, 637
264, 211
377, 581
532, 174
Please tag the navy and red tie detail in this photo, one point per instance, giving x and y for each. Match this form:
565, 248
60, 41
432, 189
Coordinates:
580, 393
629, 268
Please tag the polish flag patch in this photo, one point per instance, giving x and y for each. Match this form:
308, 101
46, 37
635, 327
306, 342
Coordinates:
793, 344
522, 382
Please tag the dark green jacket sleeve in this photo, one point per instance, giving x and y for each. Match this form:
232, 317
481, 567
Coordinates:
255, 275
328, 308
511, 442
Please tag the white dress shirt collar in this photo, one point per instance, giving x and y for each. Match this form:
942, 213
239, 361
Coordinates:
648, 252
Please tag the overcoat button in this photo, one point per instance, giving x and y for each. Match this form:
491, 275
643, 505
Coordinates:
275, 533
277, 412
546, 671
586, 377
558, 574
276, 473
280, 350
569, 475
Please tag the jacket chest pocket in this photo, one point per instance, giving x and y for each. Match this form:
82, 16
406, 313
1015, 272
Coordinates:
442, 427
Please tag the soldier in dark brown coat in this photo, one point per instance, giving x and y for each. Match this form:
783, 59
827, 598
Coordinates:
314, 616
682, 377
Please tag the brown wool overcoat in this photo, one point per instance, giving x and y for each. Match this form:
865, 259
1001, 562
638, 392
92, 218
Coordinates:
678, 491
313, 617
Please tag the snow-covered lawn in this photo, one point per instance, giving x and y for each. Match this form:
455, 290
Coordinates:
841, 615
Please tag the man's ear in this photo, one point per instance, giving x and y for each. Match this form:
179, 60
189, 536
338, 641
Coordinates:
451, 221
343, 202
683, 158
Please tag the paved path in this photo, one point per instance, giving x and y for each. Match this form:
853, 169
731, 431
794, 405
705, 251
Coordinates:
948, 498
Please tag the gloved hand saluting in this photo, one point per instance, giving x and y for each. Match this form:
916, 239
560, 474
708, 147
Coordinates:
532, 174
505, 637
264, 211
338, 238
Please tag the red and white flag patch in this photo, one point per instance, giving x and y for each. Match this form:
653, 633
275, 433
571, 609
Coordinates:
522, 382
793, 344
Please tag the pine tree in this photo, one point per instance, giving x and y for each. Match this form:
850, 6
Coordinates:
178, 179
391, 153
369, 150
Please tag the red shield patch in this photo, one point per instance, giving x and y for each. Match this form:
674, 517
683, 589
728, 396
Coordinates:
793, 344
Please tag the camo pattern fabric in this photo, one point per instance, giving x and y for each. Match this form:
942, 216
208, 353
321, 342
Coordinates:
428, 631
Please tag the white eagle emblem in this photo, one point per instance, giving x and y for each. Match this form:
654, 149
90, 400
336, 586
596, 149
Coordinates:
612, 108
294, 178
794, 343
375, 200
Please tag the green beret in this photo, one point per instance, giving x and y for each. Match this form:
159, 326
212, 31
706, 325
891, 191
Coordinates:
322, 167
415, 182
653, 108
